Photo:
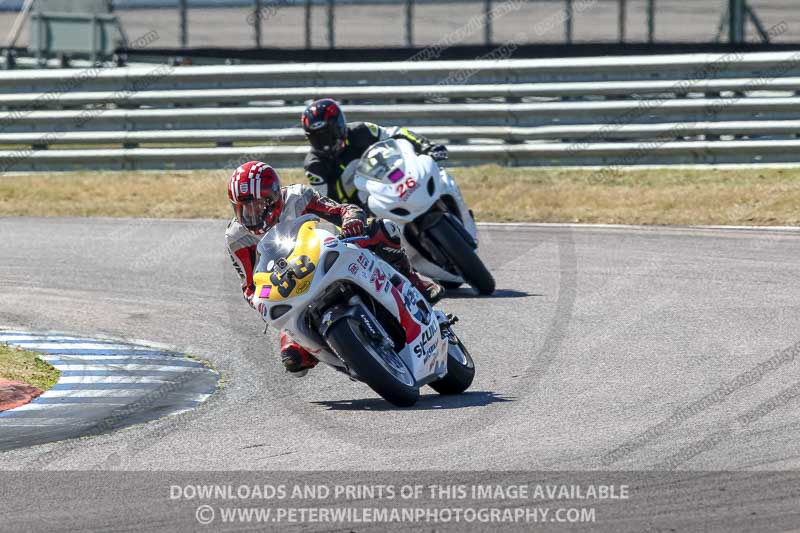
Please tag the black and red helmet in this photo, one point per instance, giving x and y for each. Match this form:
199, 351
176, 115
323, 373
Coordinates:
325, 126
254, 190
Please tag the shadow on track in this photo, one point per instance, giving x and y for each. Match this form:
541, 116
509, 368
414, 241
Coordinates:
466, 292
428, 402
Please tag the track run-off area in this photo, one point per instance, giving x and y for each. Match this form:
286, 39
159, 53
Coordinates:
104, 384
604, 348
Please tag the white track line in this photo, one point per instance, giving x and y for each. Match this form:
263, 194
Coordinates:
73, 367
112, 358
59, 395
79, 393
20, 337
120, 380
79, 345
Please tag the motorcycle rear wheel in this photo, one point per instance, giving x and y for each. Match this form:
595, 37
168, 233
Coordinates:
460, 369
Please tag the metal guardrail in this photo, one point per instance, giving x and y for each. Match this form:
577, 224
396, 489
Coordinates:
606, 154
415, 93
412, 115
659, 109
447, 134
667, 67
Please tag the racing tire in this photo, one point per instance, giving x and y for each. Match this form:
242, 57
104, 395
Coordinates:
463, 256
357, 350
459, 373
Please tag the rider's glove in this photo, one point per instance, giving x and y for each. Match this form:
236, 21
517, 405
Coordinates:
352, 227
438, 152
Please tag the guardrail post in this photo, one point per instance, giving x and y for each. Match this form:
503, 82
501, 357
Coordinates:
41, 39
95, 44
651, 21
487, 22
409, 23
184, 29
257, 22
568, 21
10, 59
331, 25
622, 16
736, 21
308, 24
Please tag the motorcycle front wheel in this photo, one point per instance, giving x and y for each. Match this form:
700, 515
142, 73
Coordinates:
379, 367
463, 257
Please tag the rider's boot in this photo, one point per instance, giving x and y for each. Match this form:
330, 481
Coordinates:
296, 359
432, 291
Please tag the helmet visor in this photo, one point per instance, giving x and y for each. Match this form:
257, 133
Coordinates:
252, 214
325, 140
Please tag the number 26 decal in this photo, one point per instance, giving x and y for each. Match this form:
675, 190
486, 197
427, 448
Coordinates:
406, 186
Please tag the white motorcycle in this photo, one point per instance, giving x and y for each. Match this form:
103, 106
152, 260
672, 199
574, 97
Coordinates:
356, 313
438, 229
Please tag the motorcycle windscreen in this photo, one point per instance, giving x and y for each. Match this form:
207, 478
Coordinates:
278, 243
294, 242
382, 162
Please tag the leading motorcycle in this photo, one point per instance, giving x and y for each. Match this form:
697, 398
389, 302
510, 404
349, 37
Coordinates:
438, 229
357, 314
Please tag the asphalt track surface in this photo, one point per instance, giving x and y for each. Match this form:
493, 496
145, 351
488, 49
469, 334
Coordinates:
594, 337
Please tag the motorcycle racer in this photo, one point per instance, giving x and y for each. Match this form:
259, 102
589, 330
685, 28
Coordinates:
337, 145
259, 203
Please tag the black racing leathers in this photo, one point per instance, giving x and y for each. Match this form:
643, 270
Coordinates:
332, 176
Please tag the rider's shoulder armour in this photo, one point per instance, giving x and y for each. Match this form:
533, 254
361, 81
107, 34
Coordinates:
362, 135
295, 200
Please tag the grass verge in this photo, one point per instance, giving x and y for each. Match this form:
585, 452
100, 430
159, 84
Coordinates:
24, 366
653, 196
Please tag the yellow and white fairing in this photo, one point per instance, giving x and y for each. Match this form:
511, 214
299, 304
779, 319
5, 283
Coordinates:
298, 261
298, 274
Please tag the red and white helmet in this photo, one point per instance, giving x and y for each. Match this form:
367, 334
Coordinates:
254, 190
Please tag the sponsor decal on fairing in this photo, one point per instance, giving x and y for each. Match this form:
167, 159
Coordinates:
378, 277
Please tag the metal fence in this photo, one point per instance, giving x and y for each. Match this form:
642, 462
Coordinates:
381, 23
612, 111
331, 23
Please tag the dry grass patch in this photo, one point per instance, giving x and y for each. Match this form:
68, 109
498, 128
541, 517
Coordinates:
661, 196
26, 367
653, 196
